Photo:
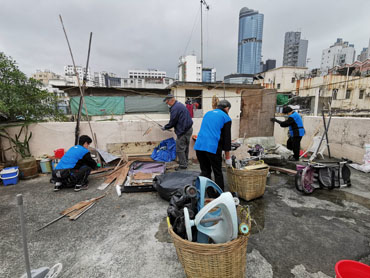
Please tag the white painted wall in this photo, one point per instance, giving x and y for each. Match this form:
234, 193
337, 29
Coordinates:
47, 137
347, 135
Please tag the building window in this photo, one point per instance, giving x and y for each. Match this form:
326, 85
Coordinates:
361, 95
278, 85
348, 94
293, 79
335, 94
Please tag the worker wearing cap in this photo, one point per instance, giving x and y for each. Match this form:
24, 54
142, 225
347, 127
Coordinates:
296, 130
213, 138
180, 119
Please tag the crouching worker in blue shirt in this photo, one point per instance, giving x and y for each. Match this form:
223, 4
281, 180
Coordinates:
75, 166
213, 138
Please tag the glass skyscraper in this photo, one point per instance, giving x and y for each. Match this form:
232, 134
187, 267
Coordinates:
250, 41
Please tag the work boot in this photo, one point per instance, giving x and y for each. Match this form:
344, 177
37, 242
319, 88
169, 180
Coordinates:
57, 186
181, 168
79, 187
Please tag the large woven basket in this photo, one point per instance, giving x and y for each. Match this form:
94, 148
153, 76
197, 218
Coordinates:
249, 184
226, 260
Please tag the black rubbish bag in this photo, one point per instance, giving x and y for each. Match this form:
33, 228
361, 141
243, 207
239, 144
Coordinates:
175, 212
167, 184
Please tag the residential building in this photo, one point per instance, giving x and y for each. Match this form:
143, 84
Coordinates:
340, 53
208, 75
99, 80
45, 75
150, 73
70, 75
147, 83
268, 65
295, 50
249, 41
189, 70
239, 78
283, 79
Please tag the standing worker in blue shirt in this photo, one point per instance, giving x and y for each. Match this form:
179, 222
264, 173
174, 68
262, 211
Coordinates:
213, 138
75, 166
181, 120
296, 130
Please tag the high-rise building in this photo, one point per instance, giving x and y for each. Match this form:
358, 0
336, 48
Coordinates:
269, 64
250, 41
295, 50
189, 70
209, 75
339, 54
363, 55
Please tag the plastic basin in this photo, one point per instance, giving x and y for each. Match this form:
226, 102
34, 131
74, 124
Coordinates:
351, 269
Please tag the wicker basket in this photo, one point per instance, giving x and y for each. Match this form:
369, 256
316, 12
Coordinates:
249, 184
211, 260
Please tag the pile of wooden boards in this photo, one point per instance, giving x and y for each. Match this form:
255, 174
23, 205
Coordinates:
118, 175
141, 178
80, 208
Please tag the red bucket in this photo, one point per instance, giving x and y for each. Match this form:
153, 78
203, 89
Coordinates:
59, 153
351, 269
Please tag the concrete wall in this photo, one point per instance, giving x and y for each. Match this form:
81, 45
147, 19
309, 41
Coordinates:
47, 137
347, 135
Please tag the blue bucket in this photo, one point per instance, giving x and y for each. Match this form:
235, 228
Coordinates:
9, 175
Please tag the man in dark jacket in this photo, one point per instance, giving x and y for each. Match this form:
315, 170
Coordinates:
75, 166
181, 120
296, 130
213, 138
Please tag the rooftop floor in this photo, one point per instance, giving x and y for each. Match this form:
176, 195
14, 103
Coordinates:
295, 235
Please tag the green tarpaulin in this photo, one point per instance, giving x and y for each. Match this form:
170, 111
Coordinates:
282, 99
99, 106
141, 104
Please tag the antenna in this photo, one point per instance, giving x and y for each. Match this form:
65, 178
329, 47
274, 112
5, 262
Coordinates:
202, 2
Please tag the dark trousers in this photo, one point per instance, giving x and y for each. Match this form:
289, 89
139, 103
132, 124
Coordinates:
294, 144
211, 162
71, 177
182, 147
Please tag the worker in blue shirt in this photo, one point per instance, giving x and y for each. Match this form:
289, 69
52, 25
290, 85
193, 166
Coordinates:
181, 120
296, 130
213, 138
75, 166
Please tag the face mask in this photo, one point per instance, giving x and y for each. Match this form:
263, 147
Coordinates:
169, 106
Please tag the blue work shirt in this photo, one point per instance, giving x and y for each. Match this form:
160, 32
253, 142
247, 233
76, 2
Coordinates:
71, 157
210, 131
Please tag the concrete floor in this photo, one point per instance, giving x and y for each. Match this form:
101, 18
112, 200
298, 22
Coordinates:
295, 235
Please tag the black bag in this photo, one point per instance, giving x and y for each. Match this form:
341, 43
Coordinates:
167, 184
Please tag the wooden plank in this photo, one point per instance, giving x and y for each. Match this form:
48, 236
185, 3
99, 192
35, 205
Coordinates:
141, 158
122, 177
101, 170
283, 170
142, 176
257, 107
110, 179
139, 154
81, 205
132, 147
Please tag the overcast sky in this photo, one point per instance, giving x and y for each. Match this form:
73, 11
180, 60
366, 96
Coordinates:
142, 34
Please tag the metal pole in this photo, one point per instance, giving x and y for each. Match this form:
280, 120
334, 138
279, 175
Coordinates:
201, 32
326, 133
24, 235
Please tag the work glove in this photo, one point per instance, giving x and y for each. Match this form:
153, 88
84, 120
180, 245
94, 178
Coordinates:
163, 128
228, 162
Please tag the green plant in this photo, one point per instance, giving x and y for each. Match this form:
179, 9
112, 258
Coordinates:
18, 145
